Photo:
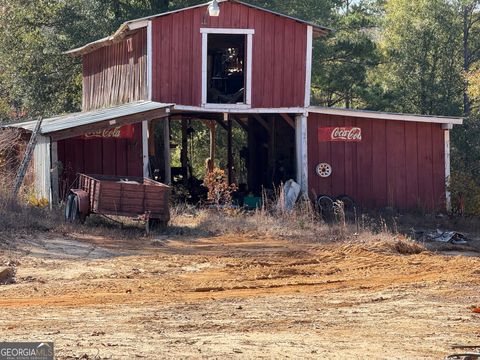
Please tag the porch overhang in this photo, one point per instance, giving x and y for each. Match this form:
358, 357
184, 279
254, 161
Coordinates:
77, 124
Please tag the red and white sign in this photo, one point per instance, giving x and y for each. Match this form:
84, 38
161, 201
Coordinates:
346, 134
121, 132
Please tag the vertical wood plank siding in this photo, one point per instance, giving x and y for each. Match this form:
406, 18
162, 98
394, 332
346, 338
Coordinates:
118, 157
116, 74
279, 55
398, 164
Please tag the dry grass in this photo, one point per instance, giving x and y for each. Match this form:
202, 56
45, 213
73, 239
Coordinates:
300, 225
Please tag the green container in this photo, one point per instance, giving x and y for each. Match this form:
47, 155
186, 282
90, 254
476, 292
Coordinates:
251, 202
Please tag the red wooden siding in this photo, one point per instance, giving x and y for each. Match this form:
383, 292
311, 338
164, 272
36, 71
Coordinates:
279, 55
118, 157
398, 164
116, 74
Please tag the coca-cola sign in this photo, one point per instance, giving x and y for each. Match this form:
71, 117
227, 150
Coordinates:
120, 132
346, 134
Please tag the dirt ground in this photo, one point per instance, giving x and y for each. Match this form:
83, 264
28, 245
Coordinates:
236, 297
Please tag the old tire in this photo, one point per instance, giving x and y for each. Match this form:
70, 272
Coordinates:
348, 203
68, 208
325, 207
325, 203
155, 224
76, 216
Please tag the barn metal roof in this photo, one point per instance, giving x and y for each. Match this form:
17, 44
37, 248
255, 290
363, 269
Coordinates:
74, 120
386, 116
132, 25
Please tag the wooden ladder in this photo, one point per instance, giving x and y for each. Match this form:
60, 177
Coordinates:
22, 170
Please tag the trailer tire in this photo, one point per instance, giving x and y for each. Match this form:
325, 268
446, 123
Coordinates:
76, 216
155, 225
68, 208
348, 203
325, 203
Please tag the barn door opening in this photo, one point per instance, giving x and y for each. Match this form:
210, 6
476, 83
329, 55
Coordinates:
227, 68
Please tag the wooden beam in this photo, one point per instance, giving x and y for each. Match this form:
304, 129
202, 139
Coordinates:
288, 119
241, 123
230, 150
261, 121
222, 124
108, 124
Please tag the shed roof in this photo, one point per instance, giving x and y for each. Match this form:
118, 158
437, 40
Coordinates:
130, 26
74, 124
386, 115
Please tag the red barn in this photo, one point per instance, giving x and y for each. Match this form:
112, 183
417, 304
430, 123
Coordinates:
244, 66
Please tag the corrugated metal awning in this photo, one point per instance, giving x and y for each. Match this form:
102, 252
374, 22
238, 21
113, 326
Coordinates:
71, 125
385, 115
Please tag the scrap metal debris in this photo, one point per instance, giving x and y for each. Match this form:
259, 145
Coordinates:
465, 356
452, 237
291, 193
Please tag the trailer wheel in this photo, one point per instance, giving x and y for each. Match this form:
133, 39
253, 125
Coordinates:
325, 203
68, 208
348, 203
76, 216
155, 224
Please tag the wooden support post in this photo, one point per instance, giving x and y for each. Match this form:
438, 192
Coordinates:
151, 137
146, 159
184, 151
301, 150
251, 176
230, 150
271, 150
166, 151
213, 141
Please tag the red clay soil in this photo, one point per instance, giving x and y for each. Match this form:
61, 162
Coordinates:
238, 297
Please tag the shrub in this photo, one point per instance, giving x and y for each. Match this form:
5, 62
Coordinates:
219, 191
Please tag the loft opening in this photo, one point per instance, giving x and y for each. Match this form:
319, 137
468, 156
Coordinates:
226, 67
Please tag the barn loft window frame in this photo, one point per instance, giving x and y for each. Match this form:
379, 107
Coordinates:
249, 61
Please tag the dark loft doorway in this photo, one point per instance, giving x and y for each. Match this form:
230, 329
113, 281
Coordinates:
226, 69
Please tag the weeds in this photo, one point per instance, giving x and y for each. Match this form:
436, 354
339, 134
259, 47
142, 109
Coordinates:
302, 224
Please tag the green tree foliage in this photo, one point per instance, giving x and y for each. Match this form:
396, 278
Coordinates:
421, 41
35, 76
343, 60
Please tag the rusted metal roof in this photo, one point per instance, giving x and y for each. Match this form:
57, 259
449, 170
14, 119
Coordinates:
82, 119
385, 115
130, 26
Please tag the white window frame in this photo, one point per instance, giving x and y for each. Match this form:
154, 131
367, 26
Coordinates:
249, 54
